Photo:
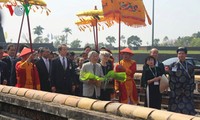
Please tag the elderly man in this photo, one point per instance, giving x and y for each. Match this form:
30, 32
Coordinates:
91, 88
154, 53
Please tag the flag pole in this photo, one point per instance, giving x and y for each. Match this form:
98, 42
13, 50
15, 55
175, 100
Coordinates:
119, 38
20, 32
96, 22
29, 29
153, 24
94, 33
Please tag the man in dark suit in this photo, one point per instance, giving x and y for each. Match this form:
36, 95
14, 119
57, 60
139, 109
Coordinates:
62, 72
3, 69
43, 65
13, 79
11, 49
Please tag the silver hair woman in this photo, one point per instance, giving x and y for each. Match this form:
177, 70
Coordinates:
107, 87
104, 54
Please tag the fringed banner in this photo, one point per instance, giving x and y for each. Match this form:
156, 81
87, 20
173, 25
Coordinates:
111, 9
27, 9
131, 12
10, 9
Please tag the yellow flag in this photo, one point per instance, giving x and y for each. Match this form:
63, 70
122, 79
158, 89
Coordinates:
111, 9
131, 12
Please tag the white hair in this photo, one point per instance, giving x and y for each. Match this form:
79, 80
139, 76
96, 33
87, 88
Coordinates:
102, 53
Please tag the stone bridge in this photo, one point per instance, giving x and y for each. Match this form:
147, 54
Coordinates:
27, 104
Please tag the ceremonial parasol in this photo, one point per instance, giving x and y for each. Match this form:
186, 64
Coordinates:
20, 8
130, 12
24, 6
93, 19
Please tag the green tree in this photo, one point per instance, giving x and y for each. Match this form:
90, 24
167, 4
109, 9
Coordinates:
195, 42
165, 39
122, 38
67, 31
90, 44
101, 44
134, 41
75, 44
156, 42
46, 40
59, 40
38, 30
184, 41
196, 35
169, 43
38, 39
62, 39
110, 40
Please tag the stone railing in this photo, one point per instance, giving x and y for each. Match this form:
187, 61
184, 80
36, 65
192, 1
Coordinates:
21, 103
165, 95
138, 75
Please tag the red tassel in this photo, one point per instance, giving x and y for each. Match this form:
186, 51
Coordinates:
10, 9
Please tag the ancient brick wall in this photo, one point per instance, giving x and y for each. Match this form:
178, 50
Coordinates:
32, 104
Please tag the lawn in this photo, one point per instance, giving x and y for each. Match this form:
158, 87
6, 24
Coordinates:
147, 51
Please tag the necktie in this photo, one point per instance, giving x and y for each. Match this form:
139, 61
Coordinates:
94, 68
64, 63
47, 64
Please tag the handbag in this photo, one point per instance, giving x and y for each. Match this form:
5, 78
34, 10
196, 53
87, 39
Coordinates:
164, 83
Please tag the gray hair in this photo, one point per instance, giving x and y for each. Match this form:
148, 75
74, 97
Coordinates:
91, 53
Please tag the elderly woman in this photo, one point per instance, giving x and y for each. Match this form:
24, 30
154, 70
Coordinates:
127, 90
91, 88
107, 87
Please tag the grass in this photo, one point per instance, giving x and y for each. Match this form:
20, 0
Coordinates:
147, 51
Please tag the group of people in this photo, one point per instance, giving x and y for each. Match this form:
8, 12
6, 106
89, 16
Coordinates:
181, 83
61, 73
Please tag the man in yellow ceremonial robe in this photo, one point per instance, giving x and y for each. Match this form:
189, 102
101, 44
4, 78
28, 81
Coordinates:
127, 90
26, 71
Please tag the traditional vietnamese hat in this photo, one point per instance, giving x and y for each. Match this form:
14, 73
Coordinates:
25, 51
164, 83
127, 50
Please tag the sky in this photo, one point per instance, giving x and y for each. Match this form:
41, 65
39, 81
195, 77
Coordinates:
172, 19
